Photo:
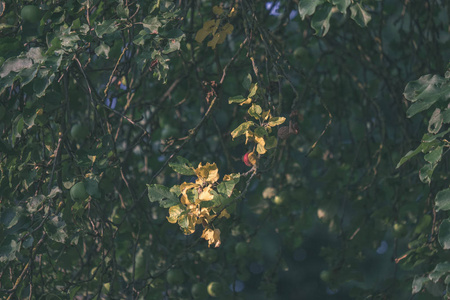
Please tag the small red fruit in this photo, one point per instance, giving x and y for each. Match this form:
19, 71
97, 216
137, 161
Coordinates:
246, 160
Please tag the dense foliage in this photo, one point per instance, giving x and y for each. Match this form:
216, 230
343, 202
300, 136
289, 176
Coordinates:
235, 149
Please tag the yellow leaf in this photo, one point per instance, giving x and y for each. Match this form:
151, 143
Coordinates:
212, 43
248, 101
266, 115
248, 136
232, 13
224, 214
201, 35
228, 28
260, 149
217, 10
205, 195
207, 173
174, 213
209, 25
212, 236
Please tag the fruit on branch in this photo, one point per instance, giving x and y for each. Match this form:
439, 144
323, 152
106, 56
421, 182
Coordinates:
78, 192
283, 132
246, 160
215, 289
199, 291
30, 13
175, 276
79, 132
241, 249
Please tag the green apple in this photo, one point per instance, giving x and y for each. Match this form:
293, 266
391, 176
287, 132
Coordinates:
175, 276
79, 132
30, 13
399, 230
199, 291
215, 289
241, 249
208, 255
78, 192
325, 275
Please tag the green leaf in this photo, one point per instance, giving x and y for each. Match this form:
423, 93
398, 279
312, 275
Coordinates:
423, 146
152, 24
435, 155
260, 131
183, 166
34, 203
8, 250
236, 99
440, 270
418, 283
160, 193
426, 172
106, 27
122, 11
361, 17
55, 228
442, 200
275, 121
183, 221
435, 122
255, 111
241, 129
271, 142
102, 50
426, 91
253, 90
444, 235
342, 5
308, 7
226, 187
320, 22
247, 82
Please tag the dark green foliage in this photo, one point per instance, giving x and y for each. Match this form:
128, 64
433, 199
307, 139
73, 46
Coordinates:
344, 207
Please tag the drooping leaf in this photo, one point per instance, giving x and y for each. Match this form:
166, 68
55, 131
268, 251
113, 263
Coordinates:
442, 200
253, 89
435, 122
106, 27
160, 193
275, 121
247, 82
425, 92
418, 283
440, 270
342, 5
182, 166
361, 17
308, 7
236, 99
435, 155
320, 21
426, 172
444, 234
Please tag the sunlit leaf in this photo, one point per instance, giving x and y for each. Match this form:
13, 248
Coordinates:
160, 193
241, 129
182, 166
